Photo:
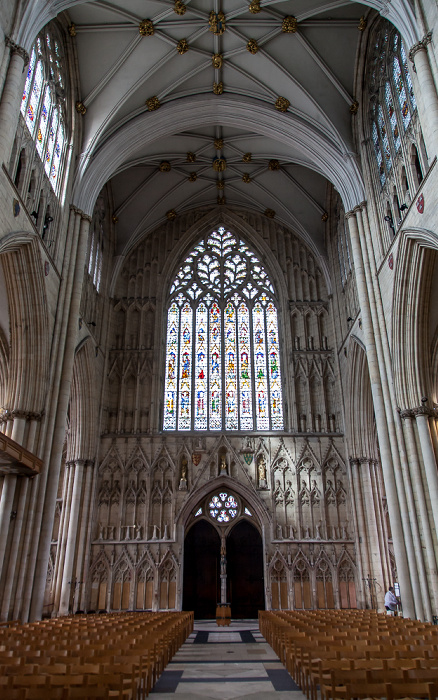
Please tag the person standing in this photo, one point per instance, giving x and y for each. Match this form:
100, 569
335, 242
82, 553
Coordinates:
391, 602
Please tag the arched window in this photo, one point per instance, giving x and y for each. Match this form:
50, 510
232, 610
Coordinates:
392, 103
42, 105
222, 356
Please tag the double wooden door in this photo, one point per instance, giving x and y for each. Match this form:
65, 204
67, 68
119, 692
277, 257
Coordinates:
201, 581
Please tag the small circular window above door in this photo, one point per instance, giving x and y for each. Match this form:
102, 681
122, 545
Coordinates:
223, 507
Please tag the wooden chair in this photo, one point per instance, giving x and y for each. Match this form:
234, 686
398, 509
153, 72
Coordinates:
413, 689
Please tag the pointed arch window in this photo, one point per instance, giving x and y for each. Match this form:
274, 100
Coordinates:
392, 98
42, 104
222, 351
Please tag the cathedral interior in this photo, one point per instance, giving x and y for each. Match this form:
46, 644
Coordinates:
218, 339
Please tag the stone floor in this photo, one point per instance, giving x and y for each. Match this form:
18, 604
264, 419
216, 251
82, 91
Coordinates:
226, 662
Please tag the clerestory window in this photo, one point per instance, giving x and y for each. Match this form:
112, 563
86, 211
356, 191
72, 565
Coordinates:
392, 103
42, 105
222, 352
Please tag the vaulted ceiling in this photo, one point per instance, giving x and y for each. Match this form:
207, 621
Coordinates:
294, 57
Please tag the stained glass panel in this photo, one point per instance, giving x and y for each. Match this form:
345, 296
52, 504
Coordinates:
215, 420
57, 154
170, 395
274, 368
201, 396
51, 141
231, 403
407, 76
34, 100
378, 152
261, 388
246, 419
28, 83
392, 117
384, 137
401, 92
185, 368
44, 119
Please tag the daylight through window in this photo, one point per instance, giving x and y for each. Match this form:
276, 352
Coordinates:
222, 355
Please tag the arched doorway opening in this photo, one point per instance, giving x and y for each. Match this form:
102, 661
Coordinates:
223, 558
245, 571
201, 588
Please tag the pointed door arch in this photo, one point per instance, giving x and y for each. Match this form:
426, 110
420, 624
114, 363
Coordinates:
246, 588
223, 516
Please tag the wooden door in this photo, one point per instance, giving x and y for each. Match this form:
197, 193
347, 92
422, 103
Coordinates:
201, 587
245, 571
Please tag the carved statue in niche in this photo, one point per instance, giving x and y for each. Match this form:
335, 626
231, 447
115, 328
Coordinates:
261, 469
330, 497
340, 493
289, 494
344, 530
304, 493
223, 469
183, 479
315, 493
278, 493
318, 530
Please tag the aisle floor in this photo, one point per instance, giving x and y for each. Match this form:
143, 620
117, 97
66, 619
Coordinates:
226, 662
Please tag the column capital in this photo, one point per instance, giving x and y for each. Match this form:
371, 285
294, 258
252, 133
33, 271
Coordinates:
420, 46
425, 411
354, 461
80, 213
406, 413
350, 214
15, 48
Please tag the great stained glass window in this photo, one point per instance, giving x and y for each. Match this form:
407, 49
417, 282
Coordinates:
222, 353
42, 105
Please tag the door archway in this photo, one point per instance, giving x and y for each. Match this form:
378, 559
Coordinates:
201, 570
221, 539
245, 571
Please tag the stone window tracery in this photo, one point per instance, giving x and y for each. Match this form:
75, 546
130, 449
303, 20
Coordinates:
222, 354
392, 104
42, 104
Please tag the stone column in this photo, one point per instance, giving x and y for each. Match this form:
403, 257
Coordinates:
23, 483
414, 463
11, 99
62, 533
75, 508
361, 533
430, 467
376, 555
382, 428
428, 102
83, 540
54, 464
6, 503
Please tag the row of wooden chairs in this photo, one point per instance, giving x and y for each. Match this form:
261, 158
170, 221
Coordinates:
354, 653
117, 655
